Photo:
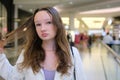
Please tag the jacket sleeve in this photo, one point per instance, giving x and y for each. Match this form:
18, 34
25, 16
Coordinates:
79, 70
7, 71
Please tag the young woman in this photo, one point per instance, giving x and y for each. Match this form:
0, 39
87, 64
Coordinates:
47, 54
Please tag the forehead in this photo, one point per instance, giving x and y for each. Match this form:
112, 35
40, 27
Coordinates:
42, 15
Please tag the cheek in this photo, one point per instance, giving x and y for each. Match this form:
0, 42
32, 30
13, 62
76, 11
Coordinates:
38, 32
54, 32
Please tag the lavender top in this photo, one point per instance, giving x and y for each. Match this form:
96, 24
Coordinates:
49, 75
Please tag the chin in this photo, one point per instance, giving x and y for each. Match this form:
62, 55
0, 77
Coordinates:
45, 39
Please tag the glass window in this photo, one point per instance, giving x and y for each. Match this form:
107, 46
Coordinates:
3, 19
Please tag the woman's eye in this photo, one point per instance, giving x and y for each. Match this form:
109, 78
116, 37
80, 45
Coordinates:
49, 22
37, 24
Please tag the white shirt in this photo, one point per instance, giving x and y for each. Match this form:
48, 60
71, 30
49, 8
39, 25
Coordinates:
9, 72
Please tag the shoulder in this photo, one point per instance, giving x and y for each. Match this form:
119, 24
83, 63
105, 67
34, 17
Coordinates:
75, 51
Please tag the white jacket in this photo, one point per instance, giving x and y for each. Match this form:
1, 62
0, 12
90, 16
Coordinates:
9, 72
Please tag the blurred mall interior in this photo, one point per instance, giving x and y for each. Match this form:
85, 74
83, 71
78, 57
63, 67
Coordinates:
88, 22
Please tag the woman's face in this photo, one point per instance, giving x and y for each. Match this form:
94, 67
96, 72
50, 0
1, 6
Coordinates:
44, 25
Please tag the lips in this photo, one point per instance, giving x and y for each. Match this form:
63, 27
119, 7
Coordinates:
44, 34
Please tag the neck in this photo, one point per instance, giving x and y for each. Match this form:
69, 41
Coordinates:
49, 46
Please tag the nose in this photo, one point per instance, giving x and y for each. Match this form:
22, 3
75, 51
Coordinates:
43, 28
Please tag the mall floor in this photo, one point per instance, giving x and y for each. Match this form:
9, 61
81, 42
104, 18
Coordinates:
99, 64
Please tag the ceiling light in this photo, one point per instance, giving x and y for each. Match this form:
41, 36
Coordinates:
109, 10
109, 21
70, 2
94, 22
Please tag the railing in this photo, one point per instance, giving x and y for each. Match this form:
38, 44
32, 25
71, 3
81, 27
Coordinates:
115, 54
111, 63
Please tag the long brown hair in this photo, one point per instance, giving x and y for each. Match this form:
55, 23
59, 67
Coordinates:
34, 53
